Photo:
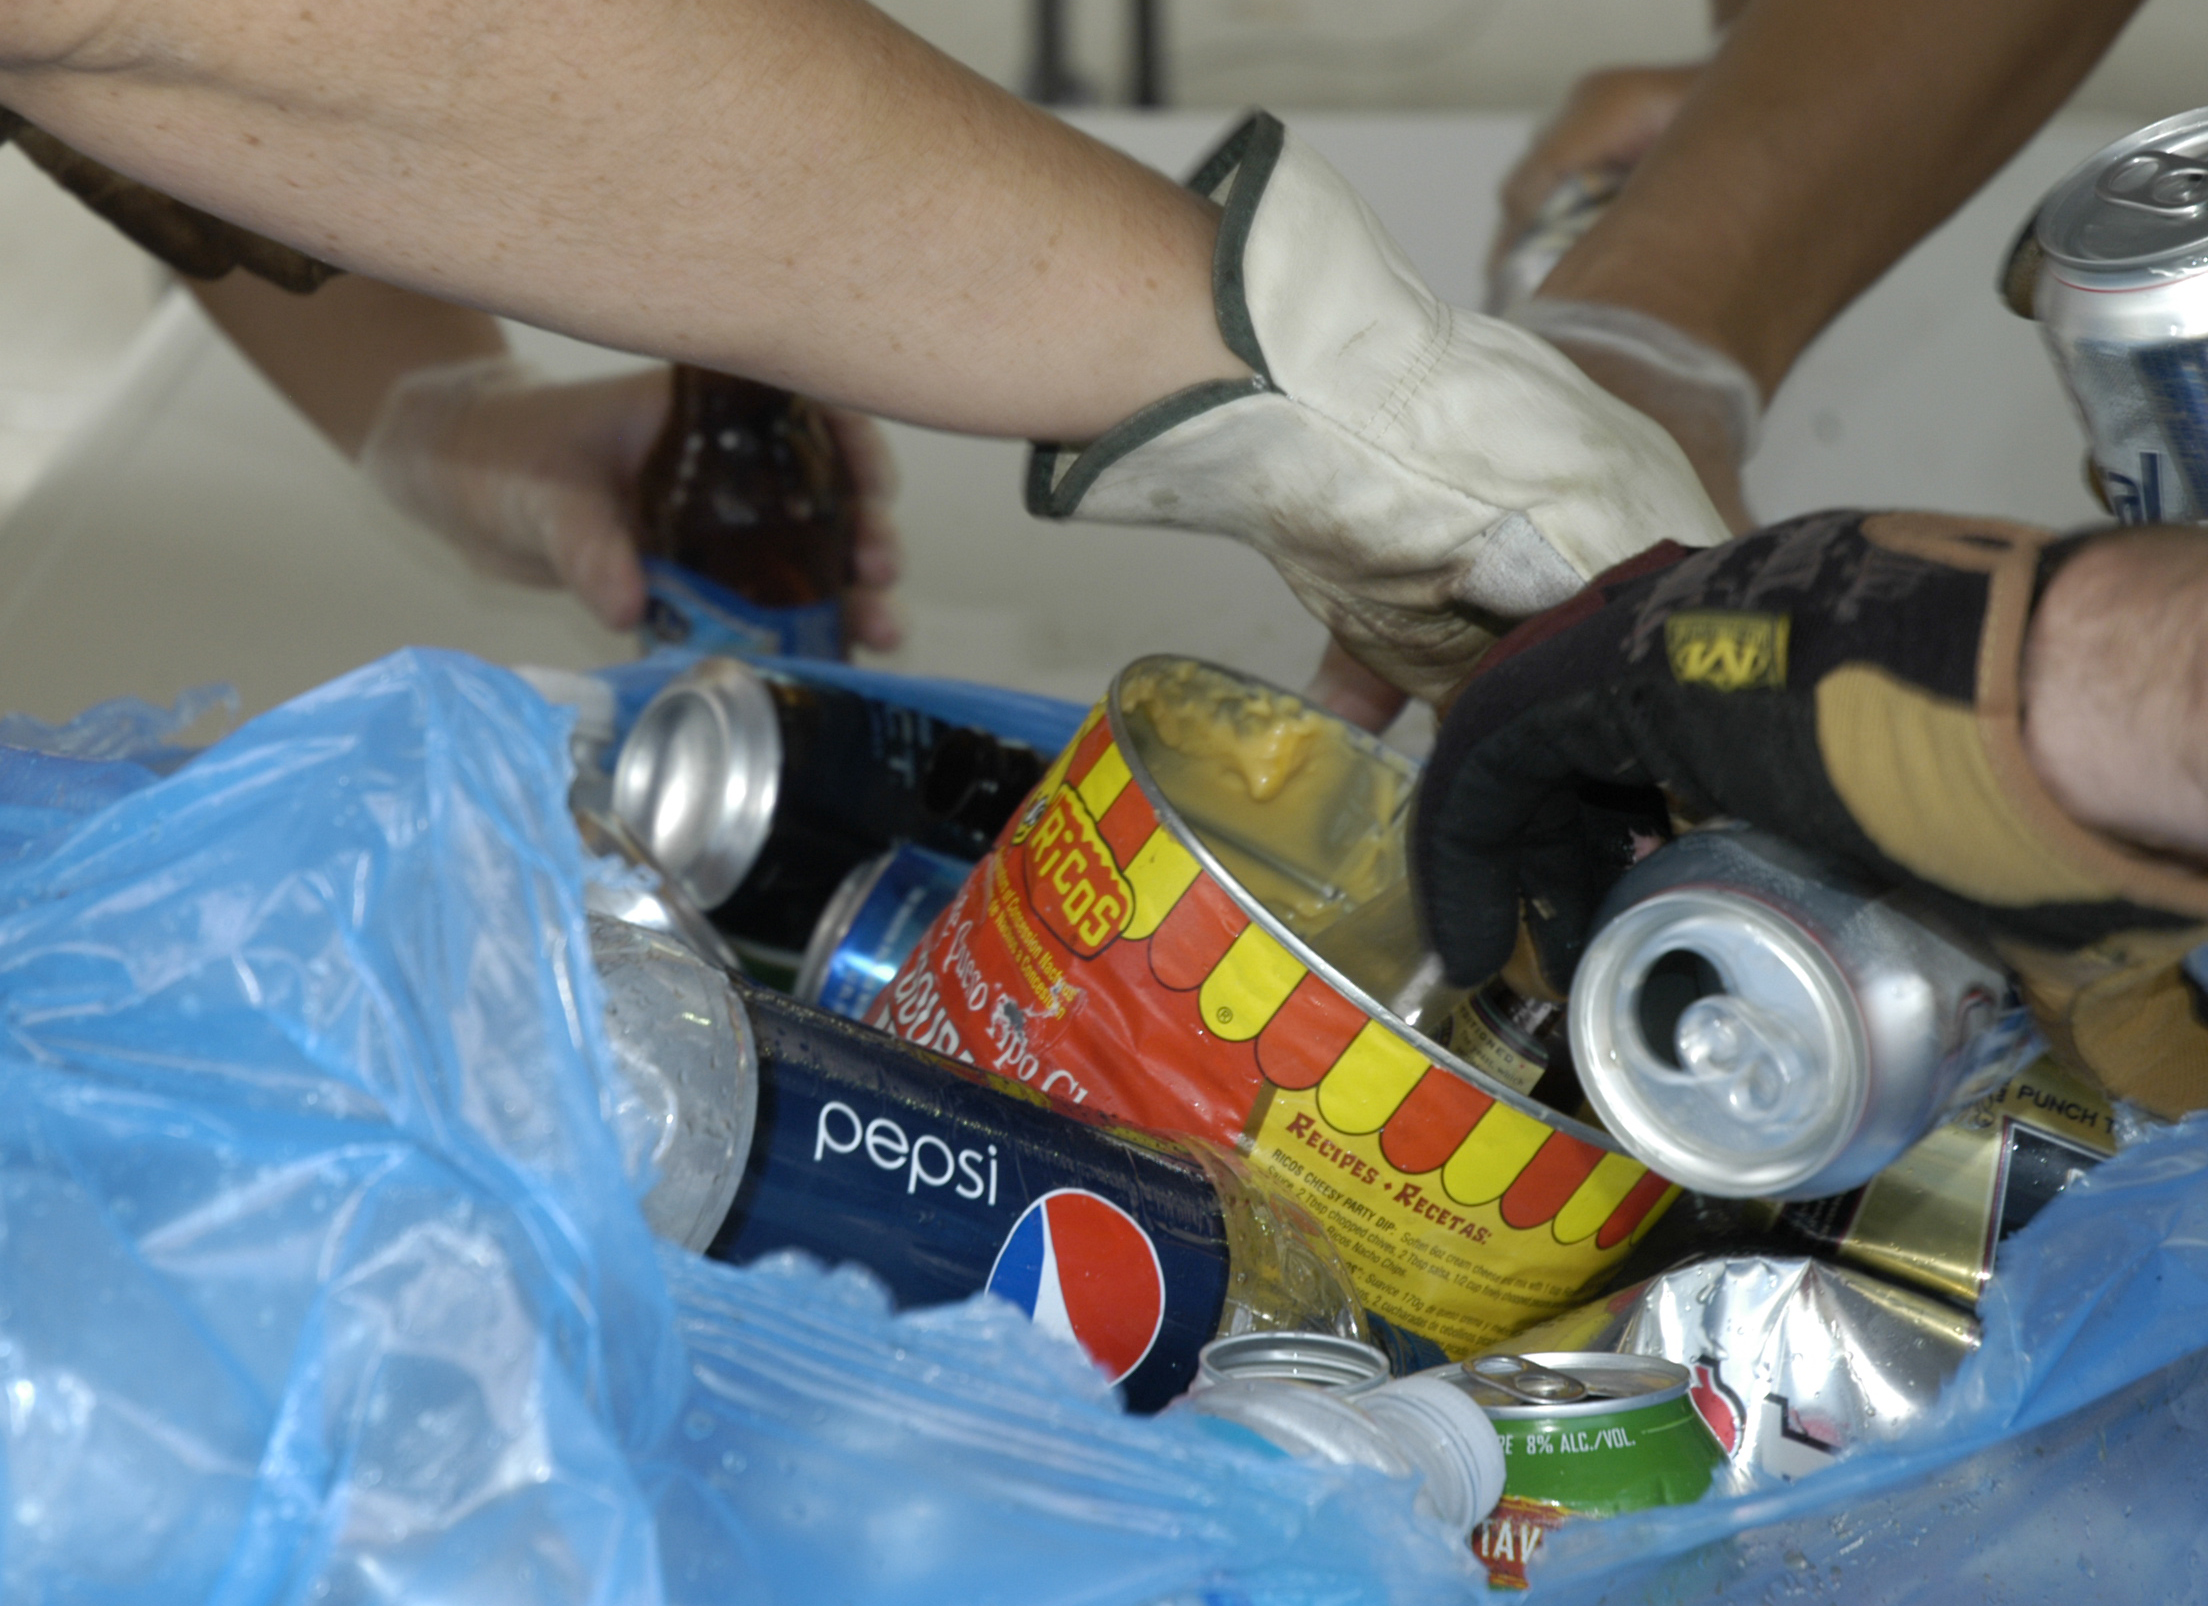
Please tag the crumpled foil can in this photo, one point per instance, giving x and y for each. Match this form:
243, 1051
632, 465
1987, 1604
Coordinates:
1794, 1361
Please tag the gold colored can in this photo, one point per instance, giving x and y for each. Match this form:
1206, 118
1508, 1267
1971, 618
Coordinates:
1935, 1218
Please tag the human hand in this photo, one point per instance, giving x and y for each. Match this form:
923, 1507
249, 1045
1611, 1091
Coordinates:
1706, 402
1703, 399
1341, 685
1851, 682
1421, 476
536, 481
1609, 121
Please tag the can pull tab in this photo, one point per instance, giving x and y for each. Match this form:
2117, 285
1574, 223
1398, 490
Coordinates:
2157, 181
1528, 1380
1750, 1058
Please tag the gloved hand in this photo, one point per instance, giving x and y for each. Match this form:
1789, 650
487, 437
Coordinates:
1608, 122
1420, 475
536, 481
1851, 682
1705, 400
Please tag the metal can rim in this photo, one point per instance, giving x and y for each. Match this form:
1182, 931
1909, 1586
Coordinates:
1592, 1015
1169, 816
730, 819
1341, 1366
2144, 269
834, 925
1587, 1365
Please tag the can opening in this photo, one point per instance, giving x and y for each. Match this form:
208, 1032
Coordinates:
1676, 980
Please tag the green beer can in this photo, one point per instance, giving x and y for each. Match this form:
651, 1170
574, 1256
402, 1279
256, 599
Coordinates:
1584, 1434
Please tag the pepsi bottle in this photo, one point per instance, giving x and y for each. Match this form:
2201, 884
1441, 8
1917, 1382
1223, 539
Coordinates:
853, 1145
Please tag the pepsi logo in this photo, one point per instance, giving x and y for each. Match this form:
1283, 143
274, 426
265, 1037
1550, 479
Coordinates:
1084, 1269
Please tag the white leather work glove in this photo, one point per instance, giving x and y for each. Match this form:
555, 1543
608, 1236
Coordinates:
1421, 475
1704, 400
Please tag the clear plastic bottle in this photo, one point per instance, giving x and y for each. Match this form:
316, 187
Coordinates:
1414, 1427
941, 1179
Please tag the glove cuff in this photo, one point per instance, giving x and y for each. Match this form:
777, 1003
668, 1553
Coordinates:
1235, 175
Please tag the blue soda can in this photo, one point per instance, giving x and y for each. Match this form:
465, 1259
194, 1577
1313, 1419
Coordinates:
874, 920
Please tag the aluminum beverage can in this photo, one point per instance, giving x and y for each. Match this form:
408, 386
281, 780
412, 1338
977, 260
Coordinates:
2123, 302
1757, 1023
946, 1182
1791, 1362
653, 899
761, 793
1148, 938
871, 924
1585, 1434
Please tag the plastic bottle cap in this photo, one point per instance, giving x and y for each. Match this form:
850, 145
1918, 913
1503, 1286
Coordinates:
1449, 1439
1317, 1424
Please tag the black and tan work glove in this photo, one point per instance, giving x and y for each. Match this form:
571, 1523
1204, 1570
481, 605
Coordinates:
1420, 475
1849, 681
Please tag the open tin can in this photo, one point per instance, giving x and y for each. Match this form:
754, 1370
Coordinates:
1147, 938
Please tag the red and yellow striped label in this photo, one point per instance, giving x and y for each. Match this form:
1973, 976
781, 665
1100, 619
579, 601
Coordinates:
1093, 956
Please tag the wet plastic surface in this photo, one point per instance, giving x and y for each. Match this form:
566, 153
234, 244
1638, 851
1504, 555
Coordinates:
320, 1281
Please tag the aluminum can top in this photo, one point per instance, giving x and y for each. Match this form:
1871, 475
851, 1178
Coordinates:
699, 776
1566, 1383
2137, 211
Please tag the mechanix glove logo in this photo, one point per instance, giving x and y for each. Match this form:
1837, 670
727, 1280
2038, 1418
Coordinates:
1726, 650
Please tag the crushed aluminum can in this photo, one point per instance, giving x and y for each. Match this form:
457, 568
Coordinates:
1793, 1361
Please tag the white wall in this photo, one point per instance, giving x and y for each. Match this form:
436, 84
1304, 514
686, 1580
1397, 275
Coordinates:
1459, 53
72, 293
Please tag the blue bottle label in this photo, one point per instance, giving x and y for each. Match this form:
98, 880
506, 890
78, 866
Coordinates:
685, 609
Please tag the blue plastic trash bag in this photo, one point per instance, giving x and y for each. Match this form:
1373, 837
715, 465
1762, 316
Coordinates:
320, 1280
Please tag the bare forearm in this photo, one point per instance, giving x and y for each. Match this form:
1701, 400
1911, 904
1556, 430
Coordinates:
335, 353
1826, 138
795, 189
2116, 688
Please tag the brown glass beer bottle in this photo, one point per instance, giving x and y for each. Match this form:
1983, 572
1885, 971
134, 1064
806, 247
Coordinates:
747, 491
